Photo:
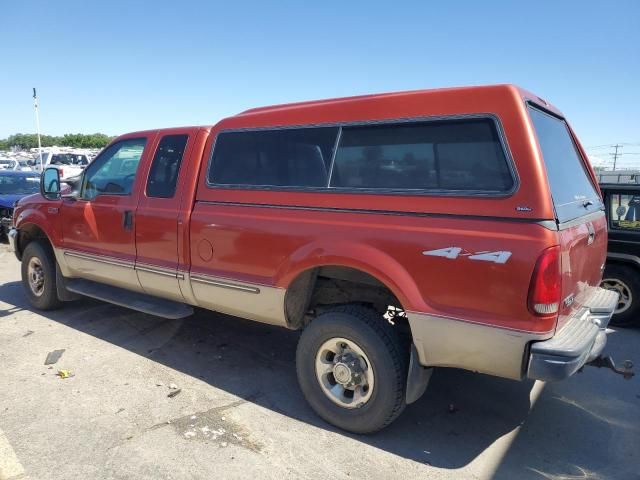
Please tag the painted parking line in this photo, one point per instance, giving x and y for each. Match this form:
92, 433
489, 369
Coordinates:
10, 467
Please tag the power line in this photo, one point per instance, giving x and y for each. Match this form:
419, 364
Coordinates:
612, 145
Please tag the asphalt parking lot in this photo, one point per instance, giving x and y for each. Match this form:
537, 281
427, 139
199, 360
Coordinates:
239, 414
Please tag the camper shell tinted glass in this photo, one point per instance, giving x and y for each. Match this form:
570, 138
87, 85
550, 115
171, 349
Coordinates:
296, 157
449, 155
442, 156
572, 189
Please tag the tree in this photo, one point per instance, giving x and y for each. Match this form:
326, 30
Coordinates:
25, 141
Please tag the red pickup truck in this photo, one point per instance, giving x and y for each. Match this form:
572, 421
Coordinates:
400, 232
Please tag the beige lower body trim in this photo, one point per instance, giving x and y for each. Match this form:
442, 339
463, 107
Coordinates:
254, 302
160, 281
108, 270
446, 342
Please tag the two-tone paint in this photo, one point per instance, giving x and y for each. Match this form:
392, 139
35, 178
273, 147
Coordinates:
238, 250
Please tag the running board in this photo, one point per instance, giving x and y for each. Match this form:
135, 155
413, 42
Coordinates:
126, 298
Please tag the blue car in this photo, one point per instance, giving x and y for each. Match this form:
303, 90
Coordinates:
13, 186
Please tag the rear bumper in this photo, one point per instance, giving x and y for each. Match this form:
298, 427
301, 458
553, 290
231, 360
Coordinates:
580, 340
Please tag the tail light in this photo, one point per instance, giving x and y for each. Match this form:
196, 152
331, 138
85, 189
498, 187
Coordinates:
545, 287
61, 172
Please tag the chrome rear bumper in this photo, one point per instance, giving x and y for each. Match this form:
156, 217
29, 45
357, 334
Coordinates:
580, 340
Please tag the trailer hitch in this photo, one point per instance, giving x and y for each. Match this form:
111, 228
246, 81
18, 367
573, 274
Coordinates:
607, 362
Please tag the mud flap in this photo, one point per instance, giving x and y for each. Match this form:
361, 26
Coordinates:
63, 294
417, 378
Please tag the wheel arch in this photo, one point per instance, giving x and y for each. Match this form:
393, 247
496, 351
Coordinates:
362, 264
623, 259
357, 256
29, 232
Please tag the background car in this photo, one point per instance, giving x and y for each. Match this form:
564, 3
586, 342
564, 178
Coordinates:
19, 165
6, 163
13, 186
622, 270
69, 164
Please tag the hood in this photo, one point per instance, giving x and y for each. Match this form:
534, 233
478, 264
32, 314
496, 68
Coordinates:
7, 201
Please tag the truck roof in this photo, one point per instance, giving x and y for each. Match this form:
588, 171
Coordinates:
265, 114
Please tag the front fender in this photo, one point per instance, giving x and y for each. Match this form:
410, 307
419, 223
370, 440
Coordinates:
41, 217
361, 257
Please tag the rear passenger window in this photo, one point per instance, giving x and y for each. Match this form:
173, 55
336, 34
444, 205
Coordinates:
458, 155
284, 158
166, 165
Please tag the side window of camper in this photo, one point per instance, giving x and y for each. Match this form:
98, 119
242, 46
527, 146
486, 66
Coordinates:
458, 155
434, 157
297, 157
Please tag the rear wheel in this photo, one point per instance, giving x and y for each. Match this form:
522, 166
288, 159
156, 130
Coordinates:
39, 276
352, 369
626, 282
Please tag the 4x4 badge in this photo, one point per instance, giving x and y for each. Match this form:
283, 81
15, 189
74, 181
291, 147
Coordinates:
500, 256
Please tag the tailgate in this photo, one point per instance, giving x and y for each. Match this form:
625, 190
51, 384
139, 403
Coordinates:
583, 247
579, 211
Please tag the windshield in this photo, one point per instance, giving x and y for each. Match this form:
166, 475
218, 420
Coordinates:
19, 184
572, 190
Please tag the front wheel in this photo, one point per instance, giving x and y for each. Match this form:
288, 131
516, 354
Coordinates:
352, 369
626, 281
39, 276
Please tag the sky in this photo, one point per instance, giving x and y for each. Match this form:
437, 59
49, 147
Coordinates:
121, 66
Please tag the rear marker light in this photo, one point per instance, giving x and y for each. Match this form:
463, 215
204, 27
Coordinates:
545, 288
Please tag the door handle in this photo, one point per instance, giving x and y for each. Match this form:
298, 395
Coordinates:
127, 220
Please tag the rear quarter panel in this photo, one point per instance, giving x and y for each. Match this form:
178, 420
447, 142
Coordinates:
269, 236
271, 246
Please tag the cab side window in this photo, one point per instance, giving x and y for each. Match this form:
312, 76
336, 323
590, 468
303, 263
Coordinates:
163, 175
624, 211
114, 170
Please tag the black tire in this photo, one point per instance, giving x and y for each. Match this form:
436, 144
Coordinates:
629, 278
381, 344
48, 298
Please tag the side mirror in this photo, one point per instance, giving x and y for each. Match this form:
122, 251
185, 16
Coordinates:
50, 184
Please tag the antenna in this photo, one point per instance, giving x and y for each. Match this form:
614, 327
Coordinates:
35, 106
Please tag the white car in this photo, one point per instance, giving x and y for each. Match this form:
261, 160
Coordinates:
16, 165
68, 164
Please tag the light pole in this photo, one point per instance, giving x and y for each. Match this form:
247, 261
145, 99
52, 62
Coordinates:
35, 106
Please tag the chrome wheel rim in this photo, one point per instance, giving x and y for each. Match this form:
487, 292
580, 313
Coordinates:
617, 285
35, 275
344, 372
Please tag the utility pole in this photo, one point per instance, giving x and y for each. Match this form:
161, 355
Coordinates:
35, 106
615, 155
